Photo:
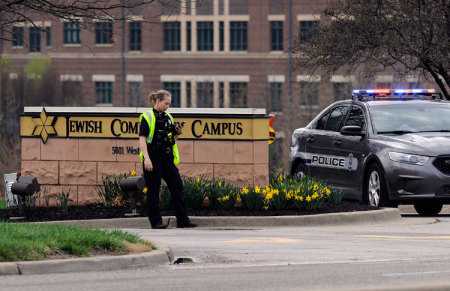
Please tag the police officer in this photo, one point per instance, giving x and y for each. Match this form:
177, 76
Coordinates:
159, 154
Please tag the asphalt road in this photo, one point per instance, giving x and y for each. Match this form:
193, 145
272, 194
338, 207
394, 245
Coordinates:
412, 254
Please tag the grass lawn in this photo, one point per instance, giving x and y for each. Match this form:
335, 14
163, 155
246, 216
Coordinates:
27, 242
2, 204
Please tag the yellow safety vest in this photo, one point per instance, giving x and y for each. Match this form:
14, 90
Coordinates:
151, 120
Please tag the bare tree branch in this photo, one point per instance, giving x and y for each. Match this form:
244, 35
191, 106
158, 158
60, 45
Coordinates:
408, 36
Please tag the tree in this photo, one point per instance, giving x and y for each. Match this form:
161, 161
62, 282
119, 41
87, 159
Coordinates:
35, 11
408, 36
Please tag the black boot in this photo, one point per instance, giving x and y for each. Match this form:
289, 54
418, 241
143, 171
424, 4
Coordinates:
159, 226
186, 223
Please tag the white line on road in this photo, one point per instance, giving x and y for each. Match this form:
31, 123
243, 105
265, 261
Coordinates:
415, 273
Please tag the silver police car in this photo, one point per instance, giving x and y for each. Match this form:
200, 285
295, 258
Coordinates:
383, 147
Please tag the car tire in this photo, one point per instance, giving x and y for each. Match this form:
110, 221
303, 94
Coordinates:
428, 208
375, 189
300, 170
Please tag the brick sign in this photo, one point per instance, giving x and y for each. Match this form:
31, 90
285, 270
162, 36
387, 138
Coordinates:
47, 125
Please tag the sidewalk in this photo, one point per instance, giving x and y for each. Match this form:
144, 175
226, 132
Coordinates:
163, 254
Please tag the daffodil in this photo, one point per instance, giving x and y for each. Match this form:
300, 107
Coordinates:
257, 189
145, 190
133, 173
244, 191
308, 198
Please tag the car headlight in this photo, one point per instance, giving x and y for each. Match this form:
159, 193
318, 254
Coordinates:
408, 158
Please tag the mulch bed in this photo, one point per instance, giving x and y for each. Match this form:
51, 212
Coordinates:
99, 211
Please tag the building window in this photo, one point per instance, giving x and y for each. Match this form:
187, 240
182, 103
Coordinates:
238, 95
276, 97
17, 36
48, 34
175, 89
35, 39
205, 36
188, 36
135, 93
188, 94
238, 35
103, 32
308, 29
72, 93
172, 34
221, 95
276, 35
342, 90
205, 94
309, 93
221, 36
72, 33
135, 36
104, 92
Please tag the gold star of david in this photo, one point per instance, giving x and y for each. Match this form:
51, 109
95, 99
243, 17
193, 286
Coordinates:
44, 126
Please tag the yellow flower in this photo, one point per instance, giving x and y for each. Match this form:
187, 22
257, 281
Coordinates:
133, 173
198, 180
257, 189
308, 198
227, 197
266, 207
144, 190
220, 183
269, 196
315, 195
244, 191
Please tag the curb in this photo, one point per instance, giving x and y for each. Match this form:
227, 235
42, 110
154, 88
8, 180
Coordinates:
342, 218
163, 255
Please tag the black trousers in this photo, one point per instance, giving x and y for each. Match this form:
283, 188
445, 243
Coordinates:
163, 167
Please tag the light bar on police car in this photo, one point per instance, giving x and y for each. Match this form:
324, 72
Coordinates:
393, 91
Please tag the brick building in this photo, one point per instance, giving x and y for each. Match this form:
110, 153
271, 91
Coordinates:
222, 53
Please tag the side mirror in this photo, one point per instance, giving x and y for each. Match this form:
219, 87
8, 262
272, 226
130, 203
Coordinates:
352, 130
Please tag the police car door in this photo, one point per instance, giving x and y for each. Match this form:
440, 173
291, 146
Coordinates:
320, 150
351, 149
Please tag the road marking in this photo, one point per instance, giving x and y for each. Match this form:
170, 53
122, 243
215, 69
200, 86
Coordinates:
264, 240
415, 273
406, 237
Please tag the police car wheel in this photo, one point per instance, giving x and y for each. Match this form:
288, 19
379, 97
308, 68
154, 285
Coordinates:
375, 187
428, 208
300, 170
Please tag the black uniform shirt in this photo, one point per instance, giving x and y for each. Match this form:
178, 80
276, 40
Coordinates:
160, 140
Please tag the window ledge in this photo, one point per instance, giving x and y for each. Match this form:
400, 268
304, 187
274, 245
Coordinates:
72, 45
104, 45
17, 47
103, 105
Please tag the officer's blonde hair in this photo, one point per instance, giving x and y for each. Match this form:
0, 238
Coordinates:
160, 95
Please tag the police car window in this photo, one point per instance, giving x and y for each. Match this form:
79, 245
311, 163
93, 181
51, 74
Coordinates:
322, 121
355, 117
335, 119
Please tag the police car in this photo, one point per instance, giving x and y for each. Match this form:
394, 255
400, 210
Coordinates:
383, 147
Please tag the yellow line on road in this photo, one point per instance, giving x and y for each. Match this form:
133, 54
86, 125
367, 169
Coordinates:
406, 237
264, 240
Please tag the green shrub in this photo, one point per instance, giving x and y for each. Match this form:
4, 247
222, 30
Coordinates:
165, 199
221, 195
110, 191
252, 198
194, 192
